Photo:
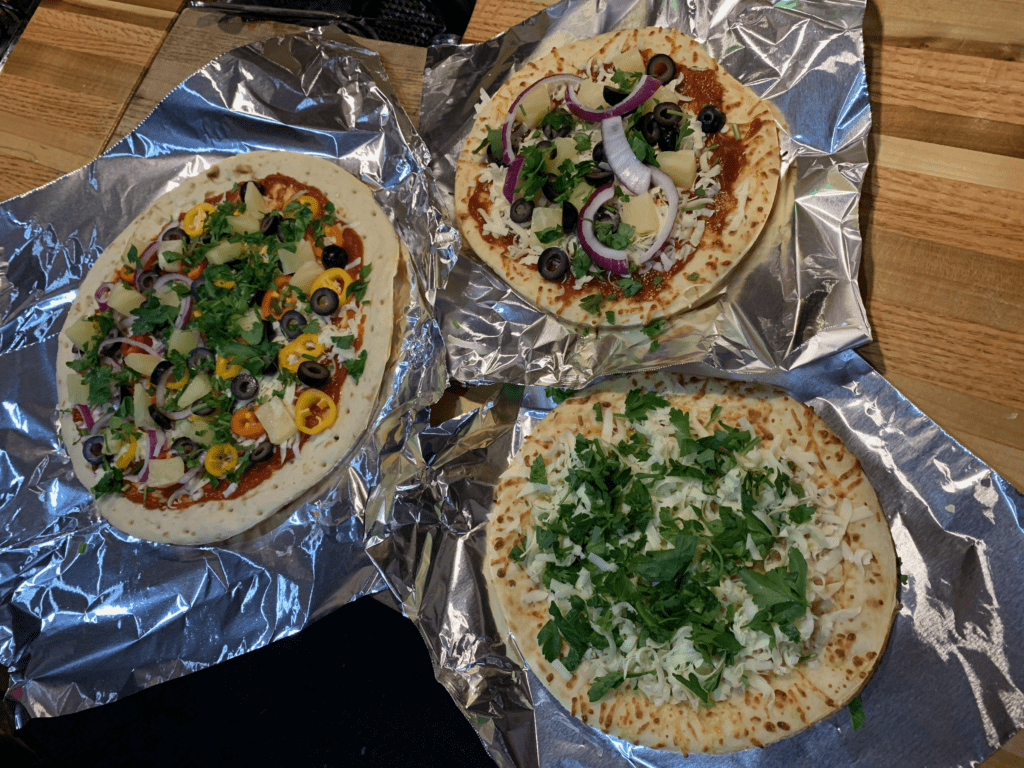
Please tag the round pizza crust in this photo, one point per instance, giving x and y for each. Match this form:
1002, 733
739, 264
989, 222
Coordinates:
215, 520
746, 719
719, 253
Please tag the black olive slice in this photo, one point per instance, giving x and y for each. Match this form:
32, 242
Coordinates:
261, 452
324, 301
522, 211
650, 129
598, 177
667, 114
334, 257
613, 96
570, 217
259, 188
599, 153
564, 129
162, 419
202, 358
608, 215
196, 289
145, 279
314, 374
244, 386
661, 67
553, 263
272, 366
270, 226
92, 449
160, 371
201, 408
174, 233
712, 119
668, 139
493, 158
292, 323
184, 446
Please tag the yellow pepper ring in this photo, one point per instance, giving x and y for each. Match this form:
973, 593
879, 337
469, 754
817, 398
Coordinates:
128, 456
325, 413
221, 459
330, 278
225, 369
305, 346
312, 202
178, 383
195, 219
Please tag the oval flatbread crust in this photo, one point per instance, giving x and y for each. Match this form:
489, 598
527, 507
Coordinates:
218, 519
783, 704
750, 178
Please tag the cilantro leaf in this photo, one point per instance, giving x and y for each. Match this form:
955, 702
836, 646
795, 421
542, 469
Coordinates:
640, 403
558, 394
356, 366
538, 471
629, 286
603, 684
593, 303
857, 717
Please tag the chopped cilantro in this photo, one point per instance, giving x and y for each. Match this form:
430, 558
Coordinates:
593, 303
558, 394
538, 471
857, 717
356, 366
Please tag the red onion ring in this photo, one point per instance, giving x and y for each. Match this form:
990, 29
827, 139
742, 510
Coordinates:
506, 130
634, 175
140, 344
607, 258
101, 295
183, 313
86, 415
662, 180
149, 254
643, 90
512, 177
171, 277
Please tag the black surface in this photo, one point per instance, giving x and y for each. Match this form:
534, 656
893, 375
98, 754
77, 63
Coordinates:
354, 689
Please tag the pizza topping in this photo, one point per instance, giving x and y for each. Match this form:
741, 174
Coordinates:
661, 67
221, 459
712, 119
245, 424
334, 257
679, 555
313, 374
324, 301
315, 411
644, 88
626, 166
553, 264
522, 210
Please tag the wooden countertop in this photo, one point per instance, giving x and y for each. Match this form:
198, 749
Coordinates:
942, 211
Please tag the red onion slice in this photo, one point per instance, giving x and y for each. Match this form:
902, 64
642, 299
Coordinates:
101, 295
633, 174
141, 345
640, 93
662, 180
183, 313
148, 256
512, 177
605, 257
508, 155
183, 483
171, 277
614, 260
86, 416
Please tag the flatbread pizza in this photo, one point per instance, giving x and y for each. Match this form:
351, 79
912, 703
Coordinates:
618, 179
226, 350
690, 564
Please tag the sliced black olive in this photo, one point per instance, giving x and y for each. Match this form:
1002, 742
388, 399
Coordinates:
92, 449
292, 323
174, 233
314, 374
712, 119
608, 215
125, 392
261, 452
244, 386
613, 96
196, 289
599, 154
570, 217
272, 366
668, 139
324, 301
162, 419
334, 256
269, 331
667, 114
184, 446
661, 67
553, 263
564, 129
522, 211
202, 358
145, 279
160, 371
493, 158
649, 129
598, 177
270, 226
202, 408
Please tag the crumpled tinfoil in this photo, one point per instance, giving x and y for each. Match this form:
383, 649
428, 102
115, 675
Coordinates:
949, 689
792, 300
87, 613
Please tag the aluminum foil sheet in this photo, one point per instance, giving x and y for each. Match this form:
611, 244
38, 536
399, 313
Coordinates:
949, 689
794, 299
88, 614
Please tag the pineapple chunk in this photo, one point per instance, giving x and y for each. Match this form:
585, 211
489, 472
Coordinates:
83, 332
183, 340
533, 106
223, 252
680, 166
641, 213
546, 218
305, 275
196, 429
142, 362
198, 386
563, 148
290, 262
165, 472
78, 390
124, 299
244, 223
170, 247
591, 94
278, 418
